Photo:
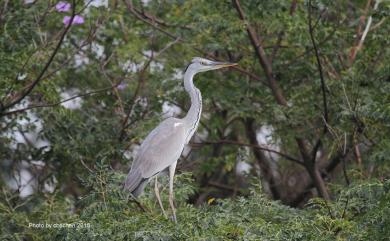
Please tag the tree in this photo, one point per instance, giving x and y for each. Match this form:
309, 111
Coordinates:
307, 110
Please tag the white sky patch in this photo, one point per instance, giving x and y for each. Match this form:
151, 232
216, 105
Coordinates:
97, 49
22, 76
130, 66
178, 74
227, 131
24, 181
148, 53
143, 102
198, 137
145, 2
38, 164
29, 129
50, 184
97, 3
156, 66
71, 104
243, 168
264, 137
27, 133
170, 110
115, 42
202, 134
80, 59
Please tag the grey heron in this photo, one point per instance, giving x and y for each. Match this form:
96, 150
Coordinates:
163, 146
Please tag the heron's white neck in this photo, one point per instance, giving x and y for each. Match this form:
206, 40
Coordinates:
193, 116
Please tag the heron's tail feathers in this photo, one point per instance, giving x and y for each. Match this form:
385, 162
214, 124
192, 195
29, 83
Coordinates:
135, 183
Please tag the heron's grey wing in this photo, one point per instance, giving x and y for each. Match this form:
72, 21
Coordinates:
135, 183
161, 148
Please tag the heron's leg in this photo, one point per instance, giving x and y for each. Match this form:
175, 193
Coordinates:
158, 196
171, 175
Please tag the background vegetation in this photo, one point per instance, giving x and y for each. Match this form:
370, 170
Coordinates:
294, 143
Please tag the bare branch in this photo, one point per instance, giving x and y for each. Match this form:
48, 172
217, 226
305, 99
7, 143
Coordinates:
238, 143
359, 45
319, 66
264, 61
60, 102
27, 90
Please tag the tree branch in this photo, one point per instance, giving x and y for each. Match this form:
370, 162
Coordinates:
60, 102
278, 95
319, 66
27, 90
359, 45
238, 143
264, 62
154, 24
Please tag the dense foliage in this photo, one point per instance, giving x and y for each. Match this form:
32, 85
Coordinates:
294, 143
360, 212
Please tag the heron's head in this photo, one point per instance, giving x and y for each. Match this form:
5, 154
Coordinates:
201, 65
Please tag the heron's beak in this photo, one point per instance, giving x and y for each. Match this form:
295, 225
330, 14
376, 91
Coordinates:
223, 64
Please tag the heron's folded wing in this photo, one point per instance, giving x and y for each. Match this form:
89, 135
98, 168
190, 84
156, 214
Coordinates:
161, 148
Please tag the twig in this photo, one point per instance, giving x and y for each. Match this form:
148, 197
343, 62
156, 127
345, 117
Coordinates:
60, 102
378, 24
85, 165
319, 66
345, 172
358, 155
308, 51
230, 142
281, 34
220, 185
141, 80
102, 65
264, 61
323, 86
359, 46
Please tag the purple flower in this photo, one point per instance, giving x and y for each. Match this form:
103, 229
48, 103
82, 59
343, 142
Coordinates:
63, 7
76, 20
121, 86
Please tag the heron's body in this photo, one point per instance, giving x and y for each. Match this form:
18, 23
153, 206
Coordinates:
160, 149
163, 146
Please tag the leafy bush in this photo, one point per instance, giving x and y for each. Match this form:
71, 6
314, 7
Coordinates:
361, 212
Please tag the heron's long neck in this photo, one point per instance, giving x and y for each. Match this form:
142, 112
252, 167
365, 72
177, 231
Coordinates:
193, 116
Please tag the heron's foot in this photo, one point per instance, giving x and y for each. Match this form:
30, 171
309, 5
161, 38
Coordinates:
174, 217
172, 207
173, 211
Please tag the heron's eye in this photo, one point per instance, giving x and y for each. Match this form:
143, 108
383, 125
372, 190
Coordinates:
203, 63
